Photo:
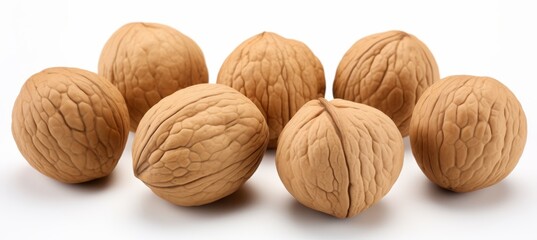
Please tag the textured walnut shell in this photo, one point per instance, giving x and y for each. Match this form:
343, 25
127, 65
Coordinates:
70, 124
279, 75
199, 144
149, 61
467, 132
339, 157
388, 71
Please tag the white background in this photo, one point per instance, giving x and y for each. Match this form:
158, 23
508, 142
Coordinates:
491, 38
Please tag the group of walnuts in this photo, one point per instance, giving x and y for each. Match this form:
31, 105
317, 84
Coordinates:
196, 143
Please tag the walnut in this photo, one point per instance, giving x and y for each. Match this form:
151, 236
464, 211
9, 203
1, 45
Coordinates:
70, 124
279, 75
388, 71
467, 132
339, 157
149, 61
199, 144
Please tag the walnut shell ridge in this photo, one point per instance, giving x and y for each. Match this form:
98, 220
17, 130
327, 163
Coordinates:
70, 124
339, 157
199, 144
467, 132
388, 71
279, 75
149, 61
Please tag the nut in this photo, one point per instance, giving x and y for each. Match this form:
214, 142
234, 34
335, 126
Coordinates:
388, 71
199, 144
339, 157
467, 132
149, 61
70, 124
279, 75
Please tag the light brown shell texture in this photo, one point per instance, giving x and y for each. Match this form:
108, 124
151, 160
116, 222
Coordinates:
279, 75
199, 144
149, 61
70, 124
467, 132
388, 71
339, 157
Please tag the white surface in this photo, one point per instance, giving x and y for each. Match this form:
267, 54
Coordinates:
479, 38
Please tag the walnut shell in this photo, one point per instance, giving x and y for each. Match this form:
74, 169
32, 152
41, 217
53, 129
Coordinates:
70, 124
279, 75
339, 157
149, 61
467, 132
388, 71
199, 144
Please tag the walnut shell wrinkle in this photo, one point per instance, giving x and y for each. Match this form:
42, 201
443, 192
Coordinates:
70, 124
467, 132
339, 157
279, 75
149, 61
199, 144
388, 71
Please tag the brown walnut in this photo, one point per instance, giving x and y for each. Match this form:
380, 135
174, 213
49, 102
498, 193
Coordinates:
388, 71
70, 124
199, 144
467, 132
339, 157
279, 75
149, 61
